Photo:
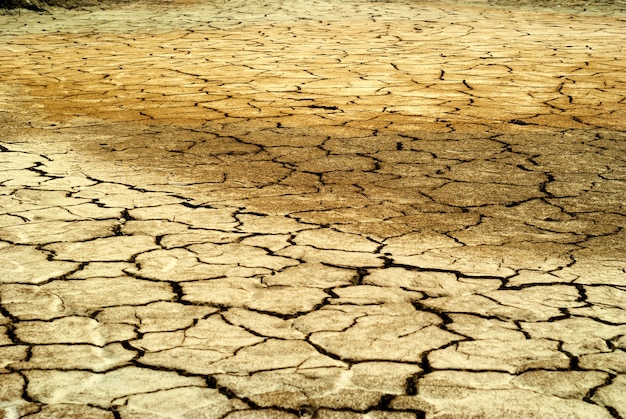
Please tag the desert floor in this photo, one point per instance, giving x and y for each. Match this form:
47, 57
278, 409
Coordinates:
326, 209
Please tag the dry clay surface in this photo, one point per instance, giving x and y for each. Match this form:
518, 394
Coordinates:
329, 209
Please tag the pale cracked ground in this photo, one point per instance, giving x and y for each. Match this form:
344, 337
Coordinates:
333, 209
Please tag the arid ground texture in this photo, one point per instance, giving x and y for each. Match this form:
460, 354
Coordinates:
325, 209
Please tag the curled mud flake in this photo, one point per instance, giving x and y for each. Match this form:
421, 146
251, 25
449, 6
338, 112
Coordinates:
118, 248
263, 324
565, 384
251, 294
12, 354
341, 258
199, 217
28, 265
338, 388
269, 413
71, 411
272, 243
479, 328
295, 354
408, 335
475, 194
502, 232
326, 238
57, 231
187, 400
509, 356
432, 283
418, 243
164, 316
81, 297
612, 362
12, 387
76, 357
185, 265
241, 255
101, 390
368, 294
580, 336
460, 392
196, 349
100, 269
270, 224
68, 330
313, 274
609, 395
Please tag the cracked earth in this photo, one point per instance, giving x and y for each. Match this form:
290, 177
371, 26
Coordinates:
328, 209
